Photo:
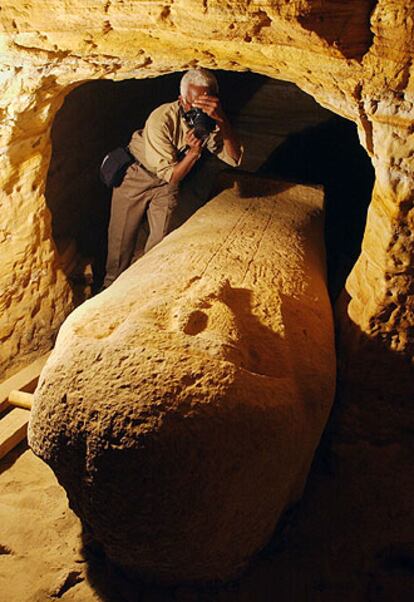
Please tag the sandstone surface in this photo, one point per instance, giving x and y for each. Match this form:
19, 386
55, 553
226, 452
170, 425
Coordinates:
181, 407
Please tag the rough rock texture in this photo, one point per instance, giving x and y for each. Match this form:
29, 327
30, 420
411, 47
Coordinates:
350, 539
354, 58
181, 408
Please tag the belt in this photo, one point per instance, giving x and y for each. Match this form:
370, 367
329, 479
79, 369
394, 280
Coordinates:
138, 162
150, 173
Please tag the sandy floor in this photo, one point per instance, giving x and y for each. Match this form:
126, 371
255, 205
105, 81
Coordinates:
39, 536
351, 538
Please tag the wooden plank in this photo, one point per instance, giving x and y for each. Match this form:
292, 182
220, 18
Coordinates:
13, 429
21, 399
24, 380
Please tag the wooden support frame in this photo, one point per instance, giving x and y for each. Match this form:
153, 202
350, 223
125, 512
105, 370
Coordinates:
24, 380
13, 429
16, 398
21, 399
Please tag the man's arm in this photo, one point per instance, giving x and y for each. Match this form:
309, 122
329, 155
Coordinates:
182, 168
211, 105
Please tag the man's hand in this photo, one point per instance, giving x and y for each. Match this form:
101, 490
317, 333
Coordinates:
195, 147
211, 106
194, 143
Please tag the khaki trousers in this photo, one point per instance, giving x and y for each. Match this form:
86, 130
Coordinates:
139, 193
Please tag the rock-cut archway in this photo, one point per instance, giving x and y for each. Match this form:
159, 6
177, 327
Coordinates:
353, 75
286, 134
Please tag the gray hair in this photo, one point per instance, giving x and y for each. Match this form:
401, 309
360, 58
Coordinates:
198, 77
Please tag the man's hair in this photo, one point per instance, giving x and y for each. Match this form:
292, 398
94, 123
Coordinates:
198, 77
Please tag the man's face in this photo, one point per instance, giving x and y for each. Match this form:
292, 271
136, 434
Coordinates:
193, 92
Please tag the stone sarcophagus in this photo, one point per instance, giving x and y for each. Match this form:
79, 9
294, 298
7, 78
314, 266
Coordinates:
181, 408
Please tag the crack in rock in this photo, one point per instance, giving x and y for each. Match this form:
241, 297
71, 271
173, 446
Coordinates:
66, 581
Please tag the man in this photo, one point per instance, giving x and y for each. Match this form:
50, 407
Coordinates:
166, 150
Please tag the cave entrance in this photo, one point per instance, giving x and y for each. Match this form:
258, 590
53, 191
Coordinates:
286, 135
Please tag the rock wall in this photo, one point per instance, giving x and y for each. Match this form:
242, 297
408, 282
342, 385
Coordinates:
354, 58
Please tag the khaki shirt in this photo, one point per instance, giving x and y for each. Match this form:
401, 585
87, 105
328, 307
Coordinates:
157, 146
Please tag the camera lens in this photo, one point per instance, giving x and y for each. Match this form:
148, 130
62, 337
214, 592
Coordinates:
200, 122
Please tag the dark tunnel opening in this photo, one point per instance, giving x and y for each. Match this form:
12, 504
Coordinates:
95, 118
330, 154
286, 135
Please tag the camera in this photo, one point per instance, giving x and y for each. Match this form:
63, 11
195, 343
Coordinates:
200, 122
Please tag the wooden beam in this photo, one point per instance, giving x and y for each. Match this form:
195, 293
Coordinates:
21, 399
24, 380
13, 429
17, 391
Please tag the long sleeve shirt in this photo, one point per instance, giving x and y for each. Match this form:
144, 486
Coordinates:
157, 147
